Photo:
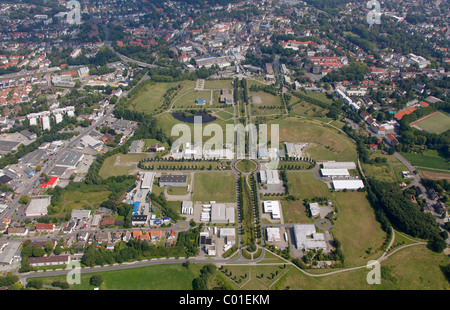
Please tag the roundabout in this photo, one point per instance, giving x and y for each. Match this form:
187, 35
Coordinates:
246, 165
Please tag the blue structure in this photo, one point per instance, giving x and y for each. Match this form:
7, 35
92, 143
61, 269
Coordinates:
200, 101
135, 204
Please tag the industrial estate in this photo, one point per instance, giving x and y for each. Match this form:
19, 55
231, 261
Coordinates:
347, 185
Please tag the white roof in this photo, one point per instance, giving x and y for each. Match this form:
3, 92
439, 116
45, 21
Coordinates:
273, 234
147, 180
38, 206
272, 206
335, 172
315, 208
269, 176
339, 165
347, 184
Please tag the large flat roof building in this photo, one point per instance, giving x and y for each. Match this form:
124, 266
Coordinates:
306, 237
334, 173
347, 184
220, 213
38, 206
269, 177
273, 207
147, 180
339, 165
173, 180
70, 159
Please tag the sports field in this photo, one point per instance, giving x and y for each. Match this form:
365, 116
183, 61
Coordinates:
435, 123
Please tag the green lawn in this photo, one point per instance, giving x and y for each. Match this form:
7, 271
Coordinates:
427, 159
151, 97
188, 99
388, 172
218, 84
328, 143
166, 122
305, 185
121, 164
161, 277
215, 186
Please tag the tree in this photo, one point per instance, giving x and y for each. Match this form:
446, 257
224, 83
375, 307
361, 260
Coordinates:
24, 199
96, 280
35, 283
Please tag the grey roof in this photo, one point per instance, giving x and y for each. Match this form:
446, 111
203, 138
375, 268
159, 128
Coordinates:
69, 159
173, 178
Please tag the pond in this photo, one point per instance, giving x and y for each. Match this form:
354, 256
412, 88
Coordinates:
189, 118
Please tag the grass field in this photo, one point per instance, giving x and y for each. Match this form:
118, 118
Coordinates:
161, 277
215, 186
151, 97
121, 164
329, 144
356, 226
166, 122
414, 268
305, 185
305, 108
388, 172
218, 84
437, 123
427, 159
188, 99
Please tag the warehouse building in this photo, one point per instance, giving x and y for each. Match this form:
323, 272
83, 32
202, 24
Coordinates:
273, 207
269, 177
306, 237
220, 213
38, 206
70, 160
81, 215
334, 173
187, 207
173, 180
347, 184
147, 180
338, 165
8, 252
273, 234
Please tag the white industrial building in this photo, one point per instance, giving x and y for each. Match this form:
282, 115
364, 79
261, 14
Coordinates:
81, 214
220, 213
38, 206
147, 180
273, 234
306, 237
347, 184
69, 160
269, 177
186, 207
273, 207
334, 173
314, 208
339, 165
